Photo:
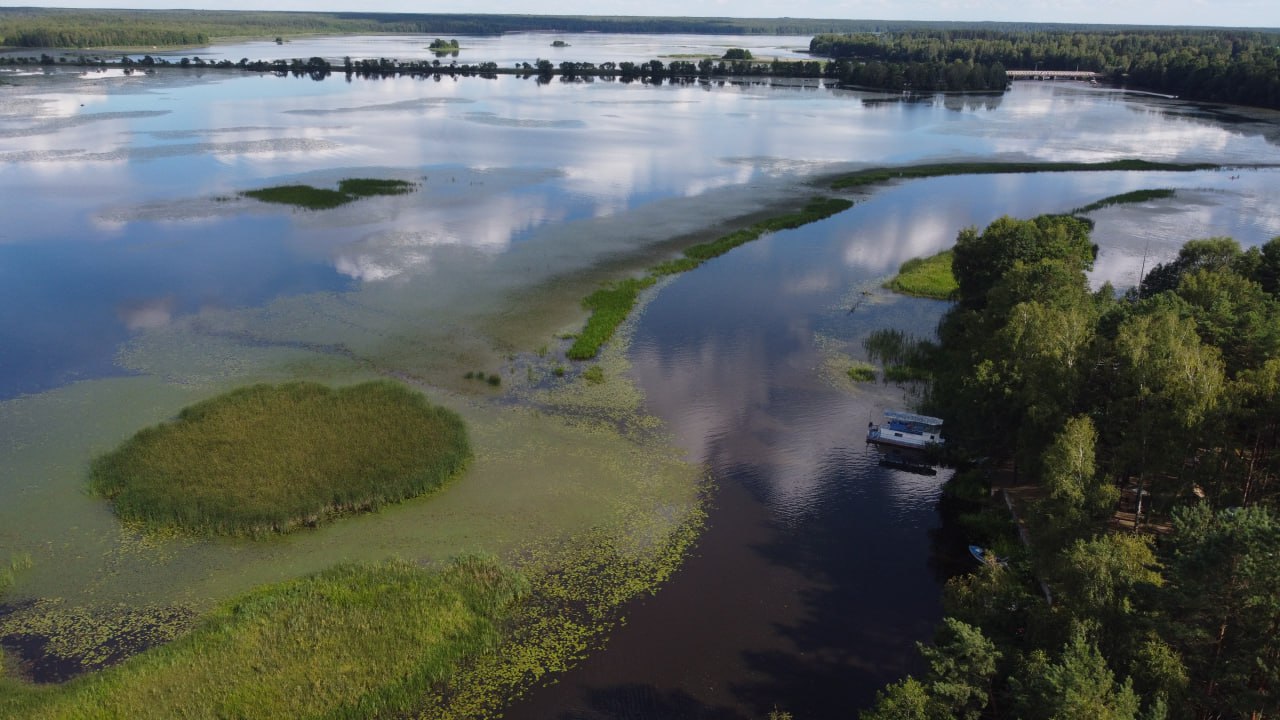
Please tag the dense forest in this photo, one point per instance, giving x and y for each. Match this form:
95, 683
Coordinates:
1165, 402
1235, 66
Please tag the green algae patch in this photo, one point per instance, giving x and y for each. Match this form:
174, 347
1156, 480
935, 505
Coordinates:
314, 198
354, 641
271, 458
929, 277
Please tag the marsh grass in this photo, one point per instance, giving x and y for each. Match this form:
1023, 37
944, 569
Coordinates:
929, 277
368, 187
862, 372
610, 305
875, 176
272, 458
1137, 196
355, 641
313, 198
905, 357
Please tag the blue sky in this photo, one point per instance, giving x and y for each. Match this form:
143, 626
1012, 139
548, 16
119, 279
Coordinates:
1243, 13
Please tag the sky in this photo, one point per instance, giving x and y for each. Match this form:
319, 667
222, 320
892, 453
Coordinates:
1231, 13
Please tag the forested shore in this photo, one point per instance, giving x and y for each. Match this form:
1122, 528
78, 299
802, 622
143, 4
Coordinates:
1240, 66
1165, 402
1232, 66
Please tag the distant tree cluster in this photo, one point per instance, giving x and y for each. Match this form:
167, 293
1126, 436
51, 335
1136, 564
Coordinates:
1165, 400
1237, 66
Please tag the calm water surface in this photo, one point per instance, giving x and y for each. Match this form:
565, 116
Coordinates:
820, 568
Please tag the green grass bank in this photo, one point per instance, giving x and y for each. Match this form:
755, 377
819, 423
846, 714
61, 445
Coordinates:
271, 458
928, 277
875, 176
610, 305
356, 641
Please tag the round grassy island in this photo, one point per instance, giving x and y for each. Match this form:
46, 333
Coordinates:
271, 458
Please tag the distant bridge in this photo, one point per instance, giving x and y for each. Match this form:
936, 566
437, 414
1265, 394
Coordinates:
1052, 75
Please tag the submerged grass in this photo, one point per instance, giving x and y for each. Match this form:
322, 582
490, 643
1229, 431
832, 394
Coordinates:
355, 641
609, 306
271, 458
313, 198
1137, 196
928, 277
875, 176
905, 357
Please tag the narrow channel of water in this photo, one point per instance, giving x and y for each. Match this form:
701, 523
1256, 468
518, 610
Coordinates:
821, 568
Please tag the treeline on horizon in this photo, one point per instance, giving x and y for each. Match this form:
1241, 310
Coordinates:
1168, 395
1219, 65
82, 28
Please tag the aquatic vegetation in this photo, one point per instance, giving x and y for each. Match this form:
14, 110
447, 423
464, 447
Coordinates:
905, 358
929, 277
368, 187
313, 198
593, 374
1136, 196
575, 598
610, 305
272, 458
351, 642
862, 372
876, 176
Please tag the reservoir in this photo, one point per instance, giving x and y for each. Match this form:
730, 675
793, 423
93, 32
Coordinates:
135, 280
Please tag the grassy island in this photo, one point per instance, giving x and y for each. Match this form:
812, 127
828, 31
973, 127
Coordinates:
929, 277
352, 642
272, 458
313, 198
1129, 198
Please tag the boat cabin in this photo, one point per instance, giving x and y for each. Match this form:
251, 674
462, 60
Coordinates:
905, 429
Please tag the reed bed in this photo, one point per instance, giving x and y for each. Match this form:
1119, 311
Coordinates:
313, 198
1136, 196
876, 176
905, 358
929, 277
355, 641
610, 305
272, 458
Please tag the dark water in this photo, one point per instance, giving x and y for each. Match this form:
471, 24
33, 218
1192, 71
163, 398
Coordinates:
819, 569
